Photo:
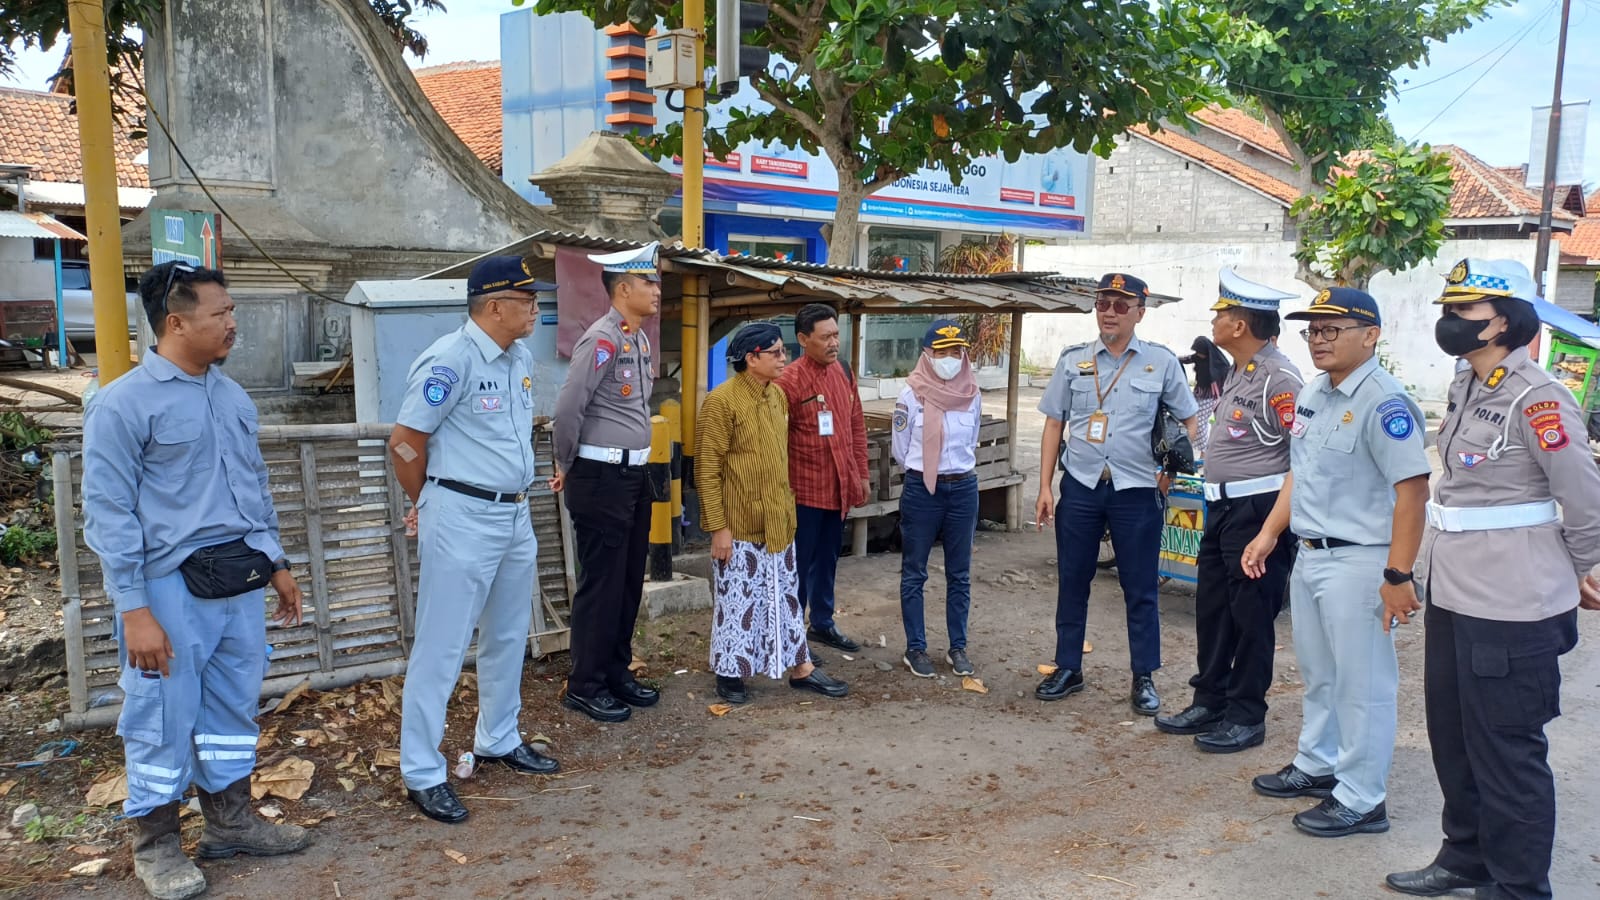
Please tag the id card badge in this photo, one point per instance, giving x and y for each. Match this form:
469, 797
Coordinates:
1098, 423
825, 423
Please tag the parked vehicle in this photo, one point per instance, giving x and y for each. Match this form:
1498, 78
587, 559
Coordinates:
77, 302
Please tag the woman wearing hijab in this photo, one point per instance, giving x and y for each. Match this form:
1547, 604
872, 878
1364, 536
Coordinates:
936, 441
1210, 370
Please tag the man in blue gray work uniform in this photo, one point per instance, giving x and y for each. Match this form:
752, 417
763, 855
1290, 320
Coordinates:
172, 472
1355, 498
1100, 413
463, 451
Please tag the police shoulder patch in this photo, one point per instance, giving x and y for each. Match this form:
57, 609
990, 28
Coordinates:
603, 351
1551, 433
1283, 405
1396, 419
435, 391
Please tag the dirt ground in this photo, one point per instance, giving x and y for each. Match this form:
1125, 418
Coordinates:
908, 788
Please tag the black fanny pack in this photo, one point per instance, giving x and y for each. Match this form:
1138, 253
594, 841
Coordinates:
226, 570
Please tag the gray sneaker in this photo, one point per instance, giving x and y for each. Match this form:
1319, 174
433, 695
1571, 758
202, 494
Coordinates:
957, 658
919, 663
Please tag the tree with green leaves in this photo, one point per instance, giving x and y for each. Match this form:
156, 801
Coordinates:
1322, 71
884, 88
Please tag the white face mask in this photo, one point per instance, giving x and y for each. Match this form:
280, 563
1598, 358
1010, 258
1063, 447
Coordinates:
947, 367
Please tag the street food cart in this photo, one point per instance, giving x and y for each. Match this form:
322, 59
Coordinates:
1574, 349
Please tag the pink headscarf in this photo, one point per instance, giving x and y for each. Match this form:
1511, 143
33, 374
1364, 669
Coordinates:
940, 396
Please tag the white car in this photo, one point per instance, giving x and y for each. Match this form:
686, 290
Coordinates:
77, 302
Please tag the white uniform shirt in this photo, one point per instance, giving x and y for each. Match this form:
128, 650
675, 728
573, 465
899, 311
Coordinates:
959, 452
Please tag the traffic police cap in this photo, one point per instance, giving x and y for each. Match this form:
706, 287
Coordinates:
1341, 302
503, 273
1119, 283
1234, 291
640, 262
1472, 280
945, 333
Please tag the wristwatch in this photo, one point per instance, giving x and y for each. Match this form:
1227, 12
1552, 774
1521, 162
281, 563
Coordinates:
1395, 576
281, 565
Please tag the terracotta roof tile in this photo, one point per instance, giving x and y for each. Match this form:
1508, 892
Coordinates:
1484, 192
41, 131
1220, 163
1591, 206
1244, 126
467, 96
1584, 242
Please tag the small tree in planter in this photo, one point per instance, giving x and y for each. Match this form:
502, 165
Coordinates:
991, 333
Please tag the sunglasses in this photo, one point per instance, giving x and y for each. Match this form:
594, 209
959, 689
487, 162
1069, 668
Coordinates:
172, 273
777, 352
1121, 306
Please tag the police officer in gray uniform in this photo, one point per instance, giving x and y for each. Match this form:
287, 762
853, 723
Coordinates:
1520, 489
1100, 413
602, 436
1358, 482
1246, 462
463, 451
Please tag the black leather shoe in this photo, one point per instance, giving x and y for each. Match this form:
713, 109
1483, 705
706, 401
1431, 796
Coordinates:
439, 803
1330, 818
634, 693
1143, 697
1231, 737
1291, 782
604, 708
832, 637
526, 760
1431, 881
731, 689
1193, 720
815, 659
1059, 684
822, 683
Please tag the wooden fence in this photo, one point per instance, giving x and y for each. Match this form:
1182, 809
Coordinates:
340, 519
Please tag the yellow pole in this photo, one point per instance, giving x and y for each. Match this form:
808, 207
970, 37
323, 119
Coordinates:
92, 84
659, 472
696, 303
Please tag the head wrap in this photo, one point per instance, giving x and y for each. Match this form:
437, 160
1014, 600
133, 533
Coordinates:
752, 337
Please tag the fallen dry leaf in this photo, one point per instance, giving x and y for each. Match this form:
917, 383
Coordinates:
1087, 647
111, 788
968, 683
347, 784
391, 693
316, 818
638, 665
289, 779
90, 869
5, 787
387, 759
295, 693
541, 738
1046, 669
84, 850
266, 738
314, 737
720, 709
460, 858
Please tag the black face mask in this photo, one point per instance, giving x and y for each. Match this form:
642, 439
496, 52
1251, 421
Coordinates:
1457, 336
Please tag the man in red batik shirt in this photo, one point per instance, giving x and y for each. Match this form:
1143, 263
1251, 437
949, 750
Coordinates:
827, 463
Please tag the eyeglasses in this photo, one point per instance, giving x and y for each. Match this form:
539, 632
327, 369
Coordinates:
778, 352
177, 267
1121, 306
1329, 333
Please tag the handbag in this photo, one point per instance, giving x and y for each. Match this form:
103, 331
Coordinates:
1170, 444
226, 570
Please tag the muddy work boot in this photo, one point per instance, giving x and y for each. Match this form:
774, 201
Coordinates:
158, 858
232, 826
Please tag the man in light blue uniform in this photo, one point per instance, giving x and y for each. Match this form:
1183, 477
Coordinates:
171, 468
463, 452
1355, 497
1101, 412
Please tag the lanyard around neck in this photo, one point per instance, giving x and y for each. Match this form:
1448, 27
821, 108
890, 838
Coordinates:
1099, 395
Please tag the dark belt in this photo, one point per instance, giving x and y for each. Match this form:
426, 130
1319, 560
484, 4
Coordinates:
916, 474
480, 493
1327, 543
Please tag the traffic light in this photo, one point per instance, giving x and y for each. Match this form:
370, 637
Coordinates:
734, 59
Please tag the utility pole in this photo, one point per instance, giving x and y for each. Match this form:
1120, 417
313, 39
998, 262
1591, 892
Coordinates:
92, 85
1541, 257
696, 292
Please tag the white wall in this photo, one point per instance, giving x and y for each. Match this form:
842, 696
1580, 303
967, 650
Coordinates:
21, 276
1188, 268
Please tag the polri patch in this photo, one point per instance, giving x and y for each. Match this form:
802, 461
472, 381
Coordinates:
1470, 459
1396, 419
603, 351
1283, 405
435, 391
447, 373
1551, 433
1237, 433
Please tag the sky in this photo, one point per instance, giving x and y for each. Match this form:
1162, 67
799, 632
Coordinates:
1476, 91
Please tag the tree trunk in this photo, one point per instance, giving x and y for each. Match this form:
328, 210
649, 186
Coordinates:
846, 218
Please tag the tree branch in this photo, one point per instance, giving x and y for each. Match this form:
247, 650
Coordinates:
807, 122
1303, 162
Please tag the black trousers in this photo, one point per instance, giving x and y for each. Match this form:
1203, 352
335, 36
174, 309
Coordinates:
1234, 613
610, 507
1490, 688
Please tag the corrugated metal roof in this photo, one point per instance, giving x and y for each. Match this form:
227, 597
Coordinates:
62, 193
35, 225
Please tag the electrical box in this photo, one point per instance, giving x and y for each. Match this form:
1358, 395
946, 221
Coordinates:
670, 62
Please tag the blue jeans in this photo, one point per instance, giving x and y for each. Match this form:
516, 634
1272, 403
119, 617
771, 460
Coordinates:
817, 536
949, 514
1135, 518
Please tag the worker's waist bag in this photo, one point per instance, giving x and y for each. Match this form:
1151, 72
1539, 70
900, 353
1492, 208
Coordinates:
226, 570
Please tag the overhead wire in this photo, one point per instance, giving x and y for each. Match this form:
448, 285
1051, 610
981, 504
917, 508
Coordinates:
1538, 20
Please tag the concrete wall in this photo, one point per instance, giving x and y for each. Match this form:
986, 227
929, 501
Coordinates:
1229, 145
21, 276
1188, 268
1145, 191
1576, 289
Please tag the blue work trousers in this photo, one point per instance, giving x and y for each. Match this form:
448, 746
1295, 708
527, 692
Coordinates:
949, 515
198, 723
1134, 516
817, 537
